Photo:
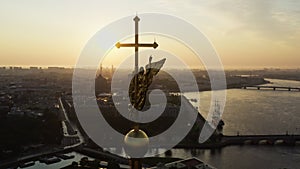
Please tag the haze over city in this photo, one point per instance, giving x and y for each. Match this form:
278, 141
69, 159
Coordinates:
149, 84
246, 34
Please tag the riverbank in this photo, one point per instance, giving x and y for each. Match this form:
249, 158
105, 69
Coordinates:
268, 140
225, 141
33, 157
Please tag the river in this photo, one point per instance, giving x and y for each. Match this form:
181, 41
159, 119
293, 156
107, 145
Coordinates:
251, 111
247, 111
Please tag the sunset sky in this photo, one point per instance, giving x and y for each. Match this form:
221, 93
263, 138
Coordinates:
255, 33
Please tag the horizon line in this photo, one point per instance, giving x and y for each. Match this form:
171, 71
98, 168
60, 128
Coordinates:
109, 67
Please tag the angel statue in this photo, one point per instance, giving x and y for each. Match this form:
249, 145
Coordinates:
142, 80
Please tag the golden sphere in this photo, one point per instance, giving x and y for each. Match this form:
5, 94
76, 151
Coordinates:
136, 143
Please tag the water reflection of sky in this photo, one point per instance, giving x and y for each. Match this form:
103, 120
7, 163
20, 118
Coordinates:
257, 111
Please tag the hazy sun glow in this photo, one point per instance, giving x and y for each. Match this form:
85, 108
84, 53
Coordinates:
245, 33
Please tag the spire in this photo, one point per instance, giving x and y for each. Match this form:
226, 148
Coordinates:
136, 19
112, 70
100, 73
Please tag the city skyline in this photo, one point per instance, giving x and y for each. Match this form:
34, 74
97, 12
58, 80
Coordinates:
258, 34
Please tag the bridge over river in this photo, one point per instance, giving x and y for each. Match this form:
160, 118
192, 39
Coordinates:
287, 139
272, 87
226, 140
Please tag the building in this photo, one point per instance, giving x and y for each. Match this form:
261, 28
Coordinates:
191, 163
101, 85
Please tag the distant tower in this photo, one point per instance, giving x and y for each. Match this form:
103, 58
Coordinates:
150, 60
217, 122
101, 83
100, 73
112, 70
